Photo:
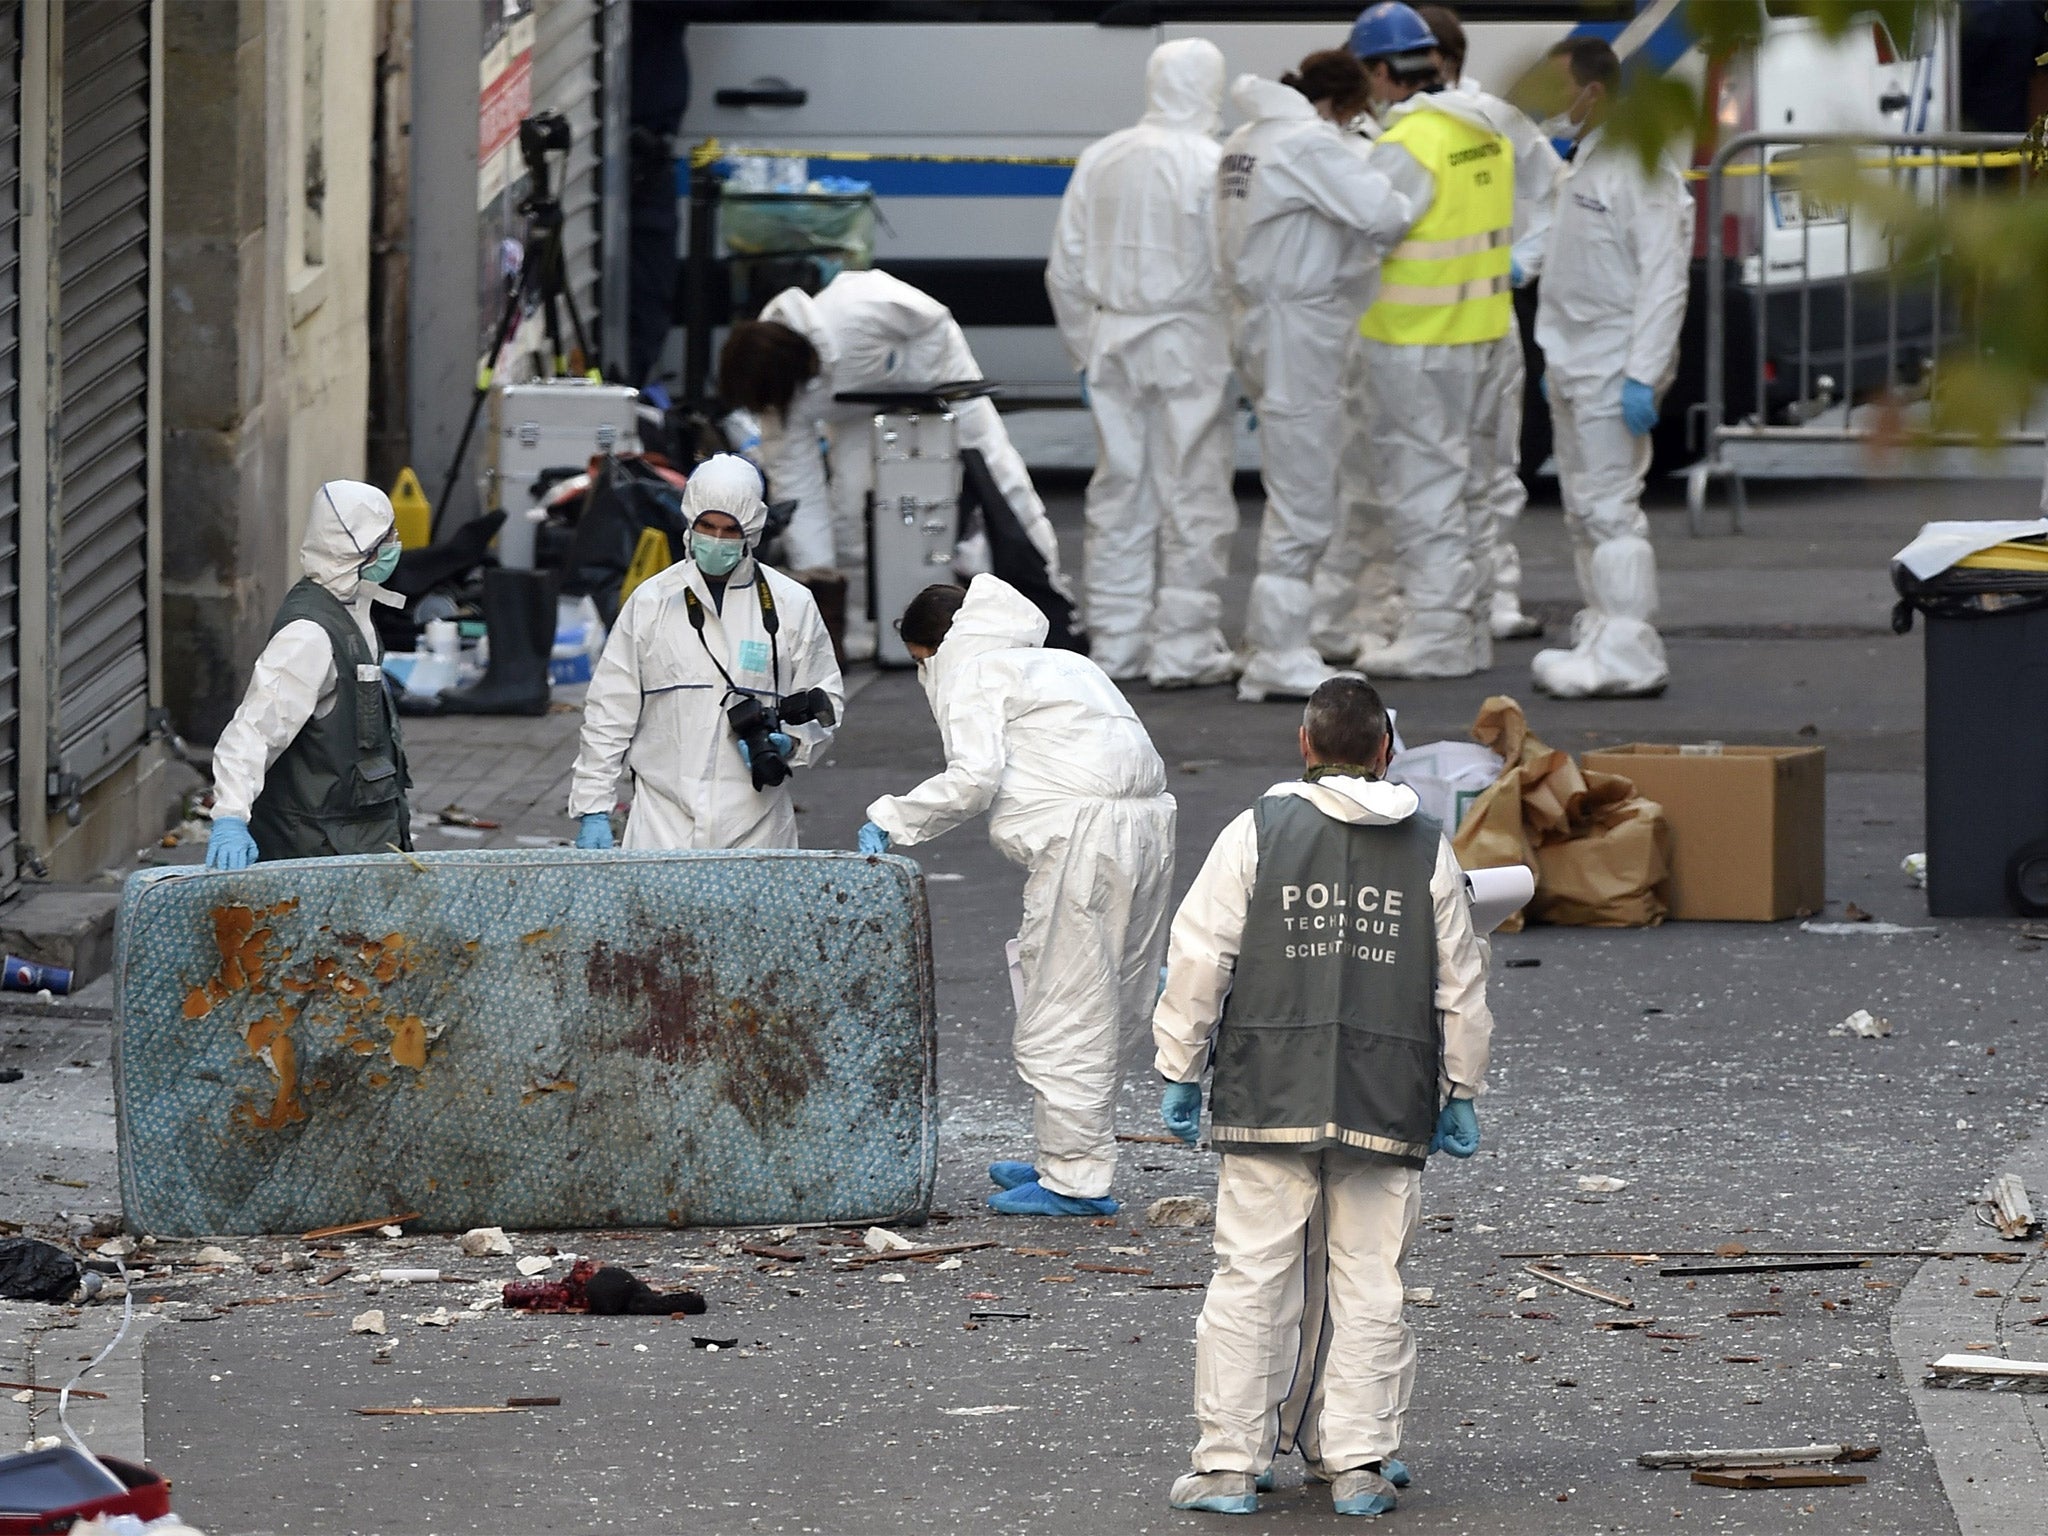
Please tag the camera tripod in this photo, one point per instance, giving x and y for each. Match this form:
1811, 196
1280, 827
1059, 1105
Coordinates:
543, 271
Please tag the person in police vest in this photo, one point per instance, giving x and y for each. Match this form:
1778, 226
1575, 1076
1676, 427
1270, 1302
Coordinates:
312, 763
1444, 301
1325, 962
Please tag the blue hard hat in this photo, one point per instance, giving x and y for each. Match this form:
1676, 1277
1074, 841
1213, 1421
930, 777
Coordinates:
1389, 28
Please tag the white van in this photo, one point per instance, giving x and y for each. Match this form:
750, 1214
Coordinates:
1004, 101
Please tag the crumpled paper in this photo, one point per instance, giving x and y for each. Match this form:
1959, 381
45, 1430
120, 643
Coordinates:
1600, 853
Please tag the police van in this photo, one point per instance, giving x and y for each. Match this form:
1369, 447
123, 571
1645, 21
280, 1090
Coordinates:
963, 116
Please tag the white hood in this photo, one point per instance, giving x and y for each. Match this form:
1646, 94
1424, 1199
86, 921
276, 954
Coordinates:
799, 311
727, 483
1260, 99
1184, 85
1450, 101
1360, 802
995, 617
347, 523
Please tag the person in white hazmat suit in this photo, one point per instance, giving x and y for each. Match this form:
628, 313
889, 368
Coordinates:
1295, 207
1135, 288
1497, 478
1442, 304
1325, 970
1043, 741
863, 331
313, 764
691, 642
1608, 321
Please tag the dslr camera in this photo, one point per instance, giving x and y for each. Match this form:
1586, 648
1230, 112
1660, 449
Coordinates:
754, 721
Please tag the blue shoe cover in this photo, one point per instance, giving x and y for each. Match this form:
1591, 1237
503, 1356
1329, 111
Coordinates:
1393, 1470
1215, 1493
1362, 1492
1034, 1199
1009, 1174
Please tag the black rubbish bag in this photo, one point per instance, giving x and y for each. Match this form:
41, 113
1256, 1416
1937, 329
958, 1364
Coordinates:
35, 1271
1013, 556
627, 497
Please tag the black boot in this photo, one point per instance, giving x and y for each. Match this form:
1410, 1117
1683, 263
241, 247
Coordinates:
519, 619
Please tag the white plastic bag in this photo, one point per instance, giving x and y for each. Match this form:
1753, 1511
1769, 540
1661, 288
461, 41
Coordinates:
1448, 776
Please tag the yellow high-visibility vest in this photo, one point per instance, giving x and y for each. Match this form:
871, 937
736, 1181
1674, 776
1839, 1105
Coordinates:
1448, 281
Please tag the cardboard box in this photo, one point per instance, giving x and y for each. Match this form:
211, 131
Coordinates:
1748, 825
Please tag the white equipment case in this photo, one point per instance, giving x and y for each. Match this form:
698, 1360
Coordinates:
550, 424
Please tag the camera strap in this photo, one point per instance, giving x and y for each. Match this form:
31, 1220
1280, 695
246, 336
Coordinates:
770, 621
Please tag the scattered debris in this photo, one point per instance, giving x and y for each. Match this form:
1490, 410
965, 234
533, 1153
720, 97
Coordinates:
456, 816
604, 1290
770, 1251
1163, 1141
440, 1317
1768, 1267
29, 1388
915, 1254
335, 1274
1856, 914
419, 1277
1914, 867
535, 1264
1525, 963
713, 1344
1417, 1295
1987, 1374
1601, 1184
1780, 1477
533, 1402
1747, 1312
882, 1240
1579, 1287
1180, 1211
893, 1279
480, 1242
983, 1411
958, 1264
1863, 1026
371, 1321
1621, 1324
1111, 1269
1175, 1285
358, 1226
10, 1074
421, 1410
1870, 929
1765, 1456
31, 1270
1018, 1317
2005, 1199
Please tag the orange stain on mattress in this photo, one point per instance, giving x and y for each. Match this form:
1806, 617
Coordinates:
408, 1040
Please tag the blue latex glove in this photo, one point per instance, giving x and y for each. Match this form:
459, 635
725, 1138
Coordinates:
873, 839
230, 846
1516, 276
594, 830
1638, 406
1086, 403
781, 741
1181, 1108
1457, 1129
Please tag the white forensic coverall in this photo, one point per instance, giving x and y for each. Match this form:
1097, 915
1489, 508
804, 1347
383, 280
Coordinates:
873, 331
1612, 305
1295, 205
294, 677
1497, 479
657, 701
1354, 1365
1134, 286
1043, 741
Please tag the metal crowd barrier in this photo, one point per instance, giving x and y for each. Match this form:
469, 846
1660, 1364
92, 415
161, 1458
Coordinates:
1821, 379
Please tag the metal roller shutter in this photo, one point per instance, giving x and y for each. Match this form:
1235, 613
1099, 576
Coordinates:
10, 414
102, 237
568, 65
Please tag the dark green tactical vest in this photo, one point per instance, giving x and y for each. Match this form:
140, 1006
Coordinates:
1331, 1035
340, 786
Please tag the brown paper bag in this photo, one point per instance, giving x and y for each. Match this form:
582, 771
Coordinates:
1600, 853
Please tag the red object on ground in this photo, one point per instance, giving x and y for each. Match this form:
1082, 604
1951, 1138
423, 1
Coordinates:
551, 1295
148, 1497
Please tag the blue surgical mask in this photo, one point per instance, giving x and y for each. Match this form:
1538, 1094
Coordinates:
716, 557
379, 570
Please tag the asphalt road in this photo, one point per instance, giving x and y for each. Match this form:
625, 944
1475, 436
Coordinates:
1692, 1061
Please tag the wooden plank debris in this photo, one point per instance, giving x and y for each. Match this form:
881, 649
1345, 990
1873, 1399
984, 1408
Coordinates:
2011, 1212
1780, 1477
358, 1226
1770, 1267
421, 1411
1579, 1287
37, 1386
1988, 1373
1756, 1456
1112, 1269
